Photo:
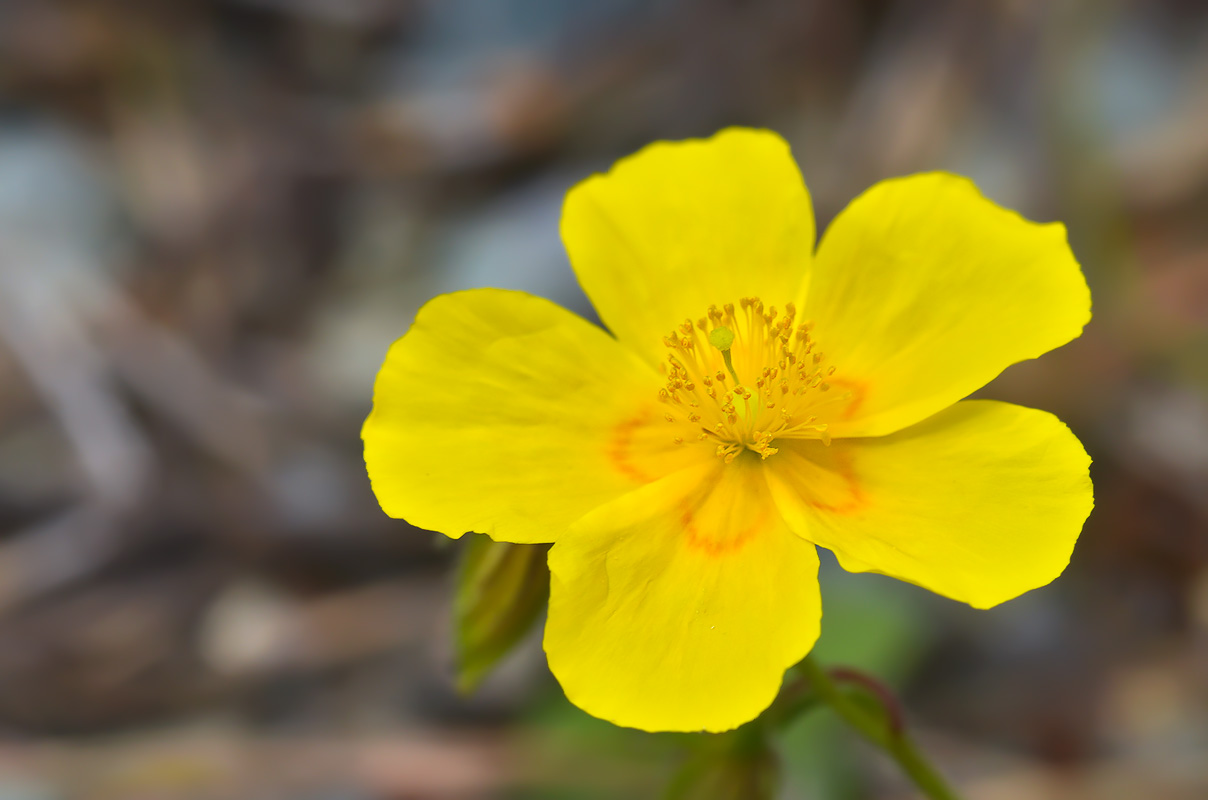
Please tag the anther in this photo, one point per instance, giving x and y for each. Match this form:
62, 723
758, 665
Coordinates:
778, 350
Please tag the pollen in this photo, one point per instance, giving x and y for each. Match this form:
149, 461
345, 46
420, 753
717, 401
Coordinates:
751, 376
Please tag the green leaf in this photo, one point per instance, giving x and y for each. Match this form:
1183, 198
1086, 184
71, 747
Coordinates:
501, 591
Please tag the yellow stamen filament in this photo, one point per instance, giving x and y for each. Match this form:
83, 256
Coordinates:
777, 378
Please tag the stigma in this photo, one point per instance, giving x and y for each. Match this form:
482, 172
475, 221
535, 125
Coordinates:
742, 378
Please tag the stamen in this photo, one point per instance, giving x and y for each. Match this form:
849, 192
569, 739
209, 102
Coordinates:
769, 346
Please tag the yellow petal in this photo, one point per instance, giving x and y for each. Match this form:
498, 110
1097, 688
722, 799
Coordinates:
923, 291
679, 606
980, 503
679, 226
504, 414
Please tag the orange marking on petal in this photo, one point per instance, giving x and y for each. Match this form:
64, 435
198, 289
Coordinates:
620, 446
710, 545
858, 390
842, 466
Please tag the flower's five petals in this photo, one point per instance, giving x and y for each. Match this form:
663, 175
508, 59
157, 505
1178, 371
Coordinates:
679, 226
923, 291
502, 413
980, 503
679, 606
760, 399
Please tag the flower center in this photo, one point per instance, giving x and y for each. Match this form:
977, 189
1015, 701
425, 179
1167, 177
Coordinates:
739, 379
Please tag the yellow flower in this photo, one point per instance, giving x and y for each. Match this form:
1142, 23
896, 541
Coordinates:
760, 397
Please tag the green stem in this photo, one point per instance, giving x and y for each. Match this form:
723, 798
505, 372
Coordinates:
880, 731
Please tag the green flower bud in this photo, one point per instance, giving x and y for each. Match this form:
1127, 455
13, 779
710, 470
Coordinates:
501, 591
736, 766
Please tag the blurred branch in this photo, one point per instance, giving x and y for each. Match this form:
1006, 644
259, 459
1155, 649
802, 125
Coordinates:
45, 330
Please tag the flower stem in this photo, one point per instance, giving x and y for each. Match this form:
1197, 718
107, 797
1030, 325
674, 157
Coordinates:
884, 731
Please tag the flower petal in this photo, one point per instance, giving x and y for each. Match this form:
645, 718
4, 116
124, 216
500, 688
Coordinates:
680, 606
980, 503
679, 226
923, 291
502, 413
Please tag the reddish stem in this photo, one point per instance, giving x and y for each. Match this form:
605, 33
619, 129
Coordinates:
889, 701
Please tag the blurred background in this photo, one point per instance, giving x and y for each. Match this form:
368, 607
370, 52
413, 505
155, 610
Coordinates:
216, 215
